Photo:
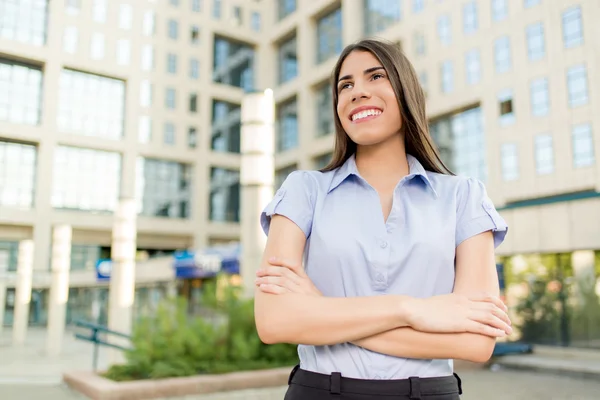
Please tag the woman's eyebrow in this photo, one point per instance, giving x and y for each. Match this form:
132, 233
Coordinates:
365, 72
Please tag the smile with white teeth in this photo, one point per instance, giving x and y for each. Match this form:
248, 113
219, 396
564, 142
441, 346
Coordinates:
364, 114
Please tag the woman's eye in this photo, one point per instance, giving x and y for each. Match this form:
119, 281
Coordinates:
377, 76
344, 86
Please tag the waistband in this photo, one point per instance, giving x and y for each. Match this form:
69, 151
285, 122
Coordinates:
413, 387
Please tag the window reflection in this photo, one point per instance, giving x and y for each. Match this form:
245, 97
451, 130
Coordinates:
20, 93
226, 127
224, 195
85, 179
17, 174
233, 63
91, 105
329, 36
163, 188
24, 21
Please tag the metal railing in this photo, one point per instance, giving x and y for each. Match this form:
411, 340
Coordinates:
98, 336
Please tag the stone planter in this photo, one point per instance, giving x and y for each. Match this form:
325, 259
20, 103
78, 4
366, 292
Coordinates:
267, 384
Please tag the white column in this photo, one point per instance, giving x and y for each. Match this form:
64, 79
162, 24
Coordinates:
59, 289
3, 281
256, 179
122, 278
352, 32
23, 291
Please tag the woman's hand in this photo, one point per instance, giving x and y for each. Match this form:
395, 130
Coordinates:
455, 313
283, 277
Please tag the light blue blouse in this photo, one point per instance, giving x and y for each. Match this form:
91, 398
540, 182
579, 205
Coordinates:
351, 251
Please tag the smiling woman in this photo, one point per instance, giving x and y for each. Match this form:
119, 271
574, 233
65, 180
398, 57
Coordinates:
399, 275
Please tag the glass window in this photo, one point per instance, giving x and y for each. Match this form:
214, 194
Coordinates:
510, 161
470, 21
536, 47
329, 35
224, 195
572, 27
196, 5
125, 16
145, 129
544, 154
583, 146
447, 77
91, 105
499, 10
24, 21
424, 81
173, 29
97, 46
17, 174
380, 14
540, 97
323, 160
216, 9
324, 103
123, 52
149, 23
282, 173
70, 39
506, 107
172, 63
226, 127
170, 98
461, 141
473, 63
146, 93
531, 3
84, 257
502, 56
192, 137
20, 93
174, 3
287, 125
577, 85
285, 8
9, 253
193, 106
147, 57
233, 63
194, 68
288, 60
237, 15
444, 29
418, 6
85, 179
255, 21
195, 34
419, 43
99, 11
163, 188
169, 134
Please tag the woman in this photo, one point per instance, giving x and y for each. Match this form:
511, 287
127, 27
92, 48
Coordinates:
399, 275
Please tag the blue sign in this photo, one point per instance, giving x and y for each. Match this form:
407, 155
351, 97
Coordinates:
103, 269
208, 262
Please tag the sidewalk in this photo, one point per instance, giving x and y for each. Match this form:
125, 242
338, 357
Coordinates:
582, 363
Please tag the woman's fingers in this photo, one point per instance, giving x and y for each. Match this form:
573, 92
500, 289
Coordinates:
487, 298
488, 318
273, 289
484, 329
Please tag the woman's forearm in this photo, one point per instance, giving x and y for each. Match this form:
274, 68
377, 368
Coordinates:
406, 342
313, 320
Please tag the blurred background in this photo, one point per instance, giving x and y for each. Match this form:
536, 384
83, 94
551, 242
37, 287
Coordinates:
109, 99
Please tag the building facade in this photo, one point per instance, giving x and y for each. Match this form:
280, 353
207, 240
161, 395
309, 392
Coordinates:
104, 99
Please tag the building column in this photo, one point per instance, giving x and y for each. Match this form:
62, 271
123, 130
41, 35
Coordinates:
354, 31
3, 282
59, 289
23, 291
122, 277
256, 179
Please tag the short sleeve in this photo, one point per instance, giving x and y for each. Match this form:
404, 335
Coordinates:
476, 213
295, 200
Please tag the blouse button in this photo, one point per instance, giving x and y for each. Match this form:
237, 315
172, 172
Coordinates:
383, 244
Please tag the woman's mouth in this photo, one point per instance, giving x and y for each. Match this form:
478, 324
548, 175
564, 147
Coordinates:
365, 115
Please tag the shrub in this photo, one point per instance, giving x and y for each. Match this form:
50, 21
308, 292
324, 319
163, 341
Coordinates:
173, 343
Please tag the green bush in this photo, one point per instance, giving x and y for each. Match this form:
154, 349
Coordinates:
172, 343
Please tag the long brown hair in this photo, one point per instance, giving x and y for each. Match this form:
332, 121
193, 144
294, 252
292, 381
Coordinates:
411, 101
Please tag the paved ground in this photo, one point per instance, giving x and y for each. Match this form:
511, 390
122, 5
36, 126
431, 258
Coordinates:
478, 385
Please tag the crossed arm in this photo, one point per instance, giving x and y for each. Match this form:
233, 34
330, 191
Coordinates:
383, 324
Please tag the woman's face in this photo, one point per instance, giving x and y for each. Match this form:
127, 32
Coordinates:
367, 105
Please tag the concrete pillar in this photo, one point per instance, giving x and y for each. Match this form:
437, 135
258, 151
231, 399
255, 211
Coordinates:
256, 179
122, 278
354, 31
59, 289
3, 281
23, 291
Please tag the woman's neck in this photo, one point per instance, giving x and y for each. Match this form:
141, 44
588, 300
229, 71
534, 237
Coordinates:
384, 163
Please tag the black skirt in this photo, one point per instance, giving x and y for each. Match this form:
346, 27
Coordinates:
306, 385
